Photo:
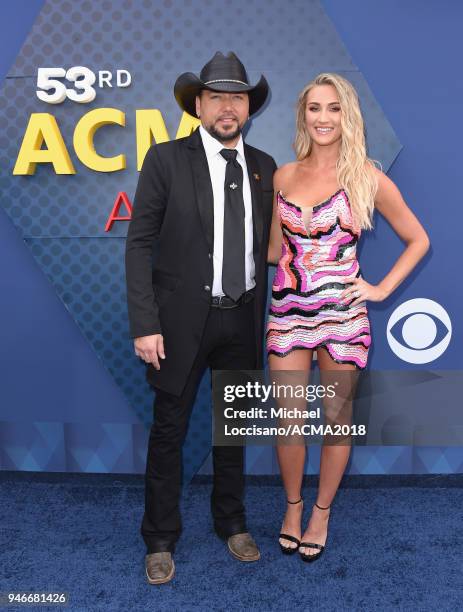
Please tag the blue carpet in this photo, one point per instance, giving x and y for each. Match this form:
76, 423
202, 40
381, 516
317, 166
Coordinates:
395, 543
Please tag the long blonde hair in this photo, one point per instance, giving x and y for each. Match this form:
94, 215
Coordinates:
355, 171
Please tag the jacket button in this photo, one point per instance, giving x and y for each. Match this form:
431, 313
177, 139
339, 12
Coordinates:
209, 255
207, 288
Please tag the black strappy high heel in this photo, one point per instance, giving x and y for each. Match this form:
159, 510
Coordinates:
320, 547
290, 550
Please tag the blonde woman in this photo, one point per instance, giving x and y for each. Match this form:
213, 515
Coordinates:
322, 202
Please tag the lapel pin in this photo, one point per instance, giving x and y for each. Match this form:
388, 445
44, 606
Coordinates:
233, 185
256, 176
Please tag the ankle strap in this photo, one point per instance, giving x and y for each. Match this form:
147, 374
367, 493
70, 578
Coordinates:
321, 508
296, 502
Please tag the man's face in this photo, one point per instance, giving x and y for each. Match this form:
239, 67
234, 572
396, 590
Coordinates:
223, 114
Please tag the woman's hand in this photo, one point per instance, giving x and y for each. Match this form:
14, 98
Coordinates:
361, 291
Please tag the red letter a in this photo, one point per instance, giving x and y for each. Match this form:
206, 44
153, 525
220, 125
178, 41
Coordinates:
114, 216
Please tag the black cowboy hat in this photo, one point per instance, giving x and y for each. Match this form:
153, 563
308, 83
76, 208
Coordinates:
221, 73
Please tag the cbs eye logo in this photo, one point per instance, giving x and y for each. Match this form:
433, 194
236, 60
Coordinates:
414, 328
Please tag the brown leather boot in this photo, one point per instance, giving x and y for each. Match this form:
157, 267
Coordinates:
159, 567
243, 547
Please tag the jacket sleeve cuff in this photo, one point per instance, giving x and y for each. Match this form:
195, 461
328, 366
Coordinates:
145, 331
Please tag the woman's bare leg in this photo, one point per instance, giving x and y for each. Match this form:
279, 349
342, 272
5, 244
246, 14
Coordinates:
291, 457
333, 462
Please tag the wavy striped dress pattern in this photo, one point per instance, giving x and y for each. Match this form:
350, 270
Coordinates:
315, 266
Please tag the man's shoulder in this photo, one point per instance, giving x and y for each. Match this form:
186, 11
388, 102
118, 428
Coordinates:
165, 153
262, 156
165, 148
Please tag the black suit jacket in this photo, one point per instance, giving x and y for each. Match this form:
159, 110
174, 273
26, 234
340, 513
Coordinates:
169, 247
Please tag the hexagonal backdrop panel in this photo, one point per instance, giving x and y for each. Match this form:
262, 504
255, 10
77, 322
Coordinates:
62, 218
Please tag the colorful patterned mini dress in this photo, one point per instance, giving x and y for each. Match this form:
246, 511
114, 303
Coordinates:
315, 266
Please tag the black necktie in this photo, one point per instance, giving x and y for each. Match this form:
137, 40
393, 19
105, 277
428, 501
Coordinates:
233, 268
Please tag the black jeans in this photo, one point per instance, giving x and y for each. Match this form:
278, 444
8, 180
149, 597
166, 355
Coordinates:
228, 343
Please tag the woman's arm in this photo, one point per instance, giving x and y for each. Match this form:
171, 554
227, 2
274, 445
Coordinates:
276, 235
392, 206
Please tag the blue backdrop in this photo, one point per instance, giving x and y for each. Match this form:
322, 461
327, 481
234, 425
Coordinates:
73, 397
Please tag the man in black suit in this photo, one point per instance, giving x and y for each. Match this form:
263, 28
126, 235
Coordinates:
196, 257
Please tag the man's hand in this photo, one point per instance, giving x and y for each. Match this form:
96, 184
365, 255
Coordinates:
150, 349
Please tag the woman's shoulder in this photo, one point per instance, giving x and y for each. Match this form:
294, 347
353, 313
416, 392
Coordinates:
385, 187
374, 166
283, 174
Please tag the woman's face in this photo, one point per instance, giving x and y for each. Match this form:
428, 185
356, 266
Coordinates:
323, 114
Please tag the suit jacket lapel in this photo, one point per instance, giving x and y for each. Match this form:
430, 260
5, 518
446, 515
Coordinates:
256, 195
203, 185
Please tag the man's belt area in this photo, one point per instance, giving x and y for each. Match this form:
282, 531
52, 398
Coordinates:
223, 301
